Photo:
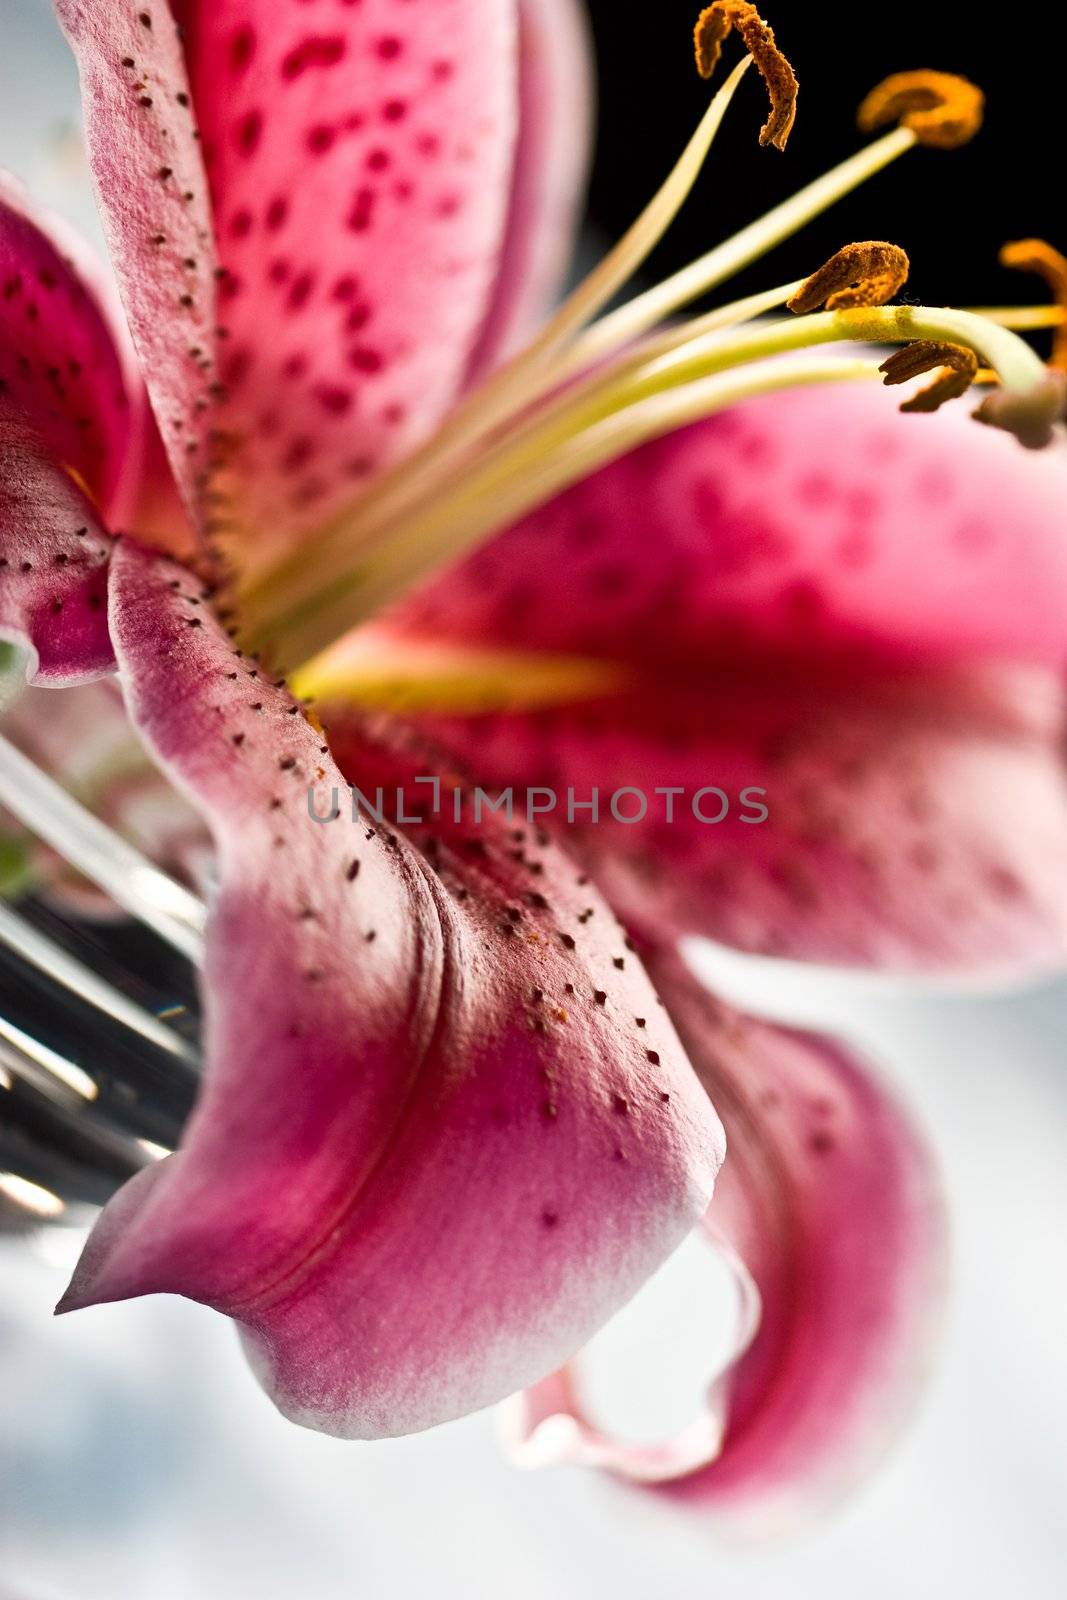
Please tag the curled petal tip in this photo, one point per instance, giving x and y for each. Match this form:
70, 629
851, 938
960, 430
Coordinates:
828, 1196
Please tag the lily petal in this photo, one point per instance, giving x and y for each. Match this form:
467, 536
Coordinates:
816, 599
433, 1149
153, 200
69, 438
53, 562
551, 165
829, 1198
815, 524
898, 821
62, 365
360, 163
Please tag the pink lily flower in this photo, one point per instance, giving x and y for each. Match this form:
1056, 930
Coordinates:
445, 1128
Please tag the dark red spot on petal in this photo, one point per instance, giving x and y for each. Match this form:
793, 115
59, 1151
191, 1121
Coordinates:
366, 360
249, 132
242, 48
333, 398
362, 213
301, 290
276, 213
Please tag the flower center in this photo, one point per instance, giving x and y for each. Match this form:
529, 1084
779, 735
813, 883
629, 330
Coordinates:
594, 384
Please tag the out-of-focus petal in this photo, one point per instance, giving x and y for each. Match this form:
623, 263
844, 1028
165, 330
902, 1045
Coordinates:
907, 821
434, 1148
360, 159
69, 437
61, 365
548, 180
818, 597
818, 523
153, 199
53, 562
828, 1197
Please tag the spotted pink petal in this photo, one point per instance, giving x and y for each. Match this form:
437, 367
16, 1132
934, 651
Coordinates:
434, 1149
828, 1197
817, 597
154, 204
360, 158
62, 364
53, 561
548, 180
819, 523
912, 821
68, 431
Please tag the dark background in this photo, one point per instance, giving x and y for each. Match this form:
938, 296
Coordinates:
951, 211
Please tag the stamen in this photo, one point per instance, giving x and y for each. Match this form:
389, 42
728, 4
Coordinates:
1034, 255
958, 369
867, 274
516, 473
1031, 415
937, 109
941, 109
1024, 319
713, 26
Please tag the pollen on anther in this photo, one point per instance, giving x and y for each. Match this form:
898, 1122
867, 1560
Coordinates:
865, 274
940, 108
1035, 255
956, 365
712, 27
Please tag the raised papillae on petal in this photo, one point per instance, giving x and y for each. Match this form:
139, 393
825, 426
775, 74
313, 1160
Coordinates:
435, 1146
145, 158
53, 562
829, 1199
360, 161
68, 437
